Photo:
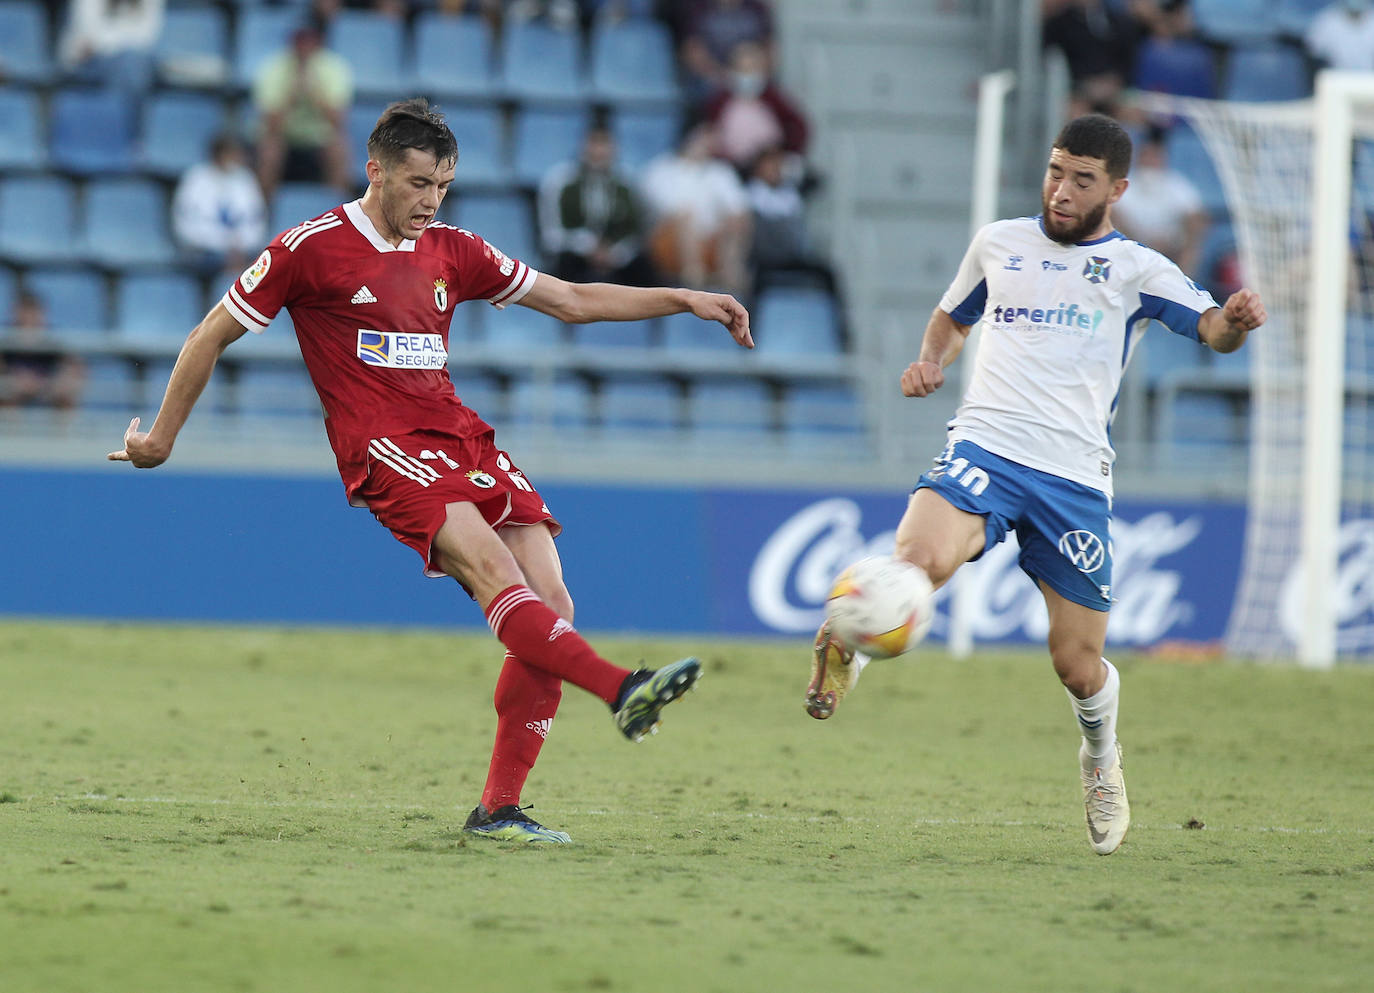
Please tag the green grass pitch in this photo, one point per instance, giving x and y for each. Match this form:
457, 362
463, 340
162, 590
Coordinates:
247, 809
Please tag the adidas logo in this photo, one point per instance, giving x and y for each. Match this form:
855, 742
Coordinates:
560, 626
364, 295
540, 727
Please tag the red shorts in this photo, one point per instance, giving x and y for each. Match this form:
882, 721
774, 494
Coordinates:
411, 478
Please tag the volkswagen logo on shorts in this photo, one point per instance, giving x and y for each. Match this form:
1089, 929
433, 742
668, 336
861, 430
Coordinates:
1084, 549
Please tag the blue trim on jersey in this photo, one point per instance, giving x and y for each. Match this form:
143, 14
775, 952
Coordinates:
1176, 317
1110, 236
971, 309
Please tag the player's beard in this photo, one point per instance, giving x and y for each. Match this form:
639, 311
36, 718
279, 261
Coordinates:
1086, 225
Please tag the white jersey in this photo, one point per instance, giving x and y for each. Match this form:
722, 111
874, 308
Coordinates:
1059, 325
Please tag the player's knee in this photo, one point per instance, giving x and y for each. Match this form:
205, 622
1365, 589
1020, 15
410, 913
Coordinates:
938, 563
1079, 668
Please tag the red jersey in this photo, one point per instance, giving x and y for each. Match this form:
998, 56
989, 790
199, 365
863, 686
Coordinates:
372, 320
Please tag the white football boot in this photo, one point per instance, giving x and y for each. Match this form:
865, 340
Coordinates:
834, 672
1104, 799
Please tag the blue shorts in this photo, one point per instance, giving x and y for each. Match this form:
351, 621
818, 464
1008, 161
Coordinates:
1062, 526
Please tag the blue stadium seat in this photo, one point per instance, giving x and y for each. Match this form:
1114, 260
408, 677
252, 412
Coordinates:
1168, 355
359, 122
22, 147
541, 63
1294, 16
482, 157
616, 334
74, 299
453, 57
126, 224
688, 334
38, 219
796, 321
520, 328
565, 402
193, 48
25, 51
1201, 422
1183, 67
632, 61
163, 305
1236, 22
719, 409
112, 384
505, 220
480, 393
642, 134
262, 32
9, 286
277, 392
544, 138
1189, 156
373, 44
639, 404
92, 131
177, 128
295, 203
821, 412
1267, 73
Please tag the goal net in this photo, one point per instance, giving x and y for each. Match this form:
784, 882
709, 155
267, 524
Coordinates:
1299, 185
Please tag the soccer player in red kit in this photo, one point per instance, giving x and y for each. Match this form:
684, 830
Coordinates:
371, 286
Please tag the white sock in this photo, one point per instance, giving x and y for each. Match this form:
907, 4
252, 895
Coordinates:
859, 661
1097, 719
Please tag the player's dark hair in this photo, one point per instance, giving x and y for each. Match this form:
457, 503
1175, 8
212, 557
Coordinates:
410, 124
1097, 136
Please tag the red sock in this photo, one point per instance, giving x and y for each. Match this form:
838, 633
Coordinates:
539, 637
526, 699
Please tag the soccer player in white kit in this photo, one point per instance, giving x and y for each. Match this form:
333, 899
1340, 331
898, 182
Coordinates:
1064, 299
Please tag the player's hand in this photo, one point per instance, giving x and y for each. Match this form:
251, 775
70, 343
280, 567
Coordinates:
921, 379
1244, 311
139, 449
727, 310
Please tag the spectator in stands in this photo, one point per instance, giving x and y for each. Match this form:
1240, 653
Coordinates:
111, 42
33, 371
1161, 207
1098, 40
1172, 59
303, 93
219, 215
591, 221
699, 213
752, 113
1341, 36
709, 30
781, 247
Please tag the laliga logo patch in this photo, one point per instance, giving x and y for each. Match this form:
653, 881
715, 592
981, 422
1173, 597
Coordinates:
1097, 270
254, 274
481, 479
441, 294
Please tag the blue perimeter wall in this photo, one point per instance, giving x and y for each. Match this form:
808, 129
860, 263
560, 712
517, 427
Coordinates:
116, 543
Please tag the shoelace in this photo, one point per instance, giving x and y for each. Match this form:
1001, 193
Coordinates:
1105, 797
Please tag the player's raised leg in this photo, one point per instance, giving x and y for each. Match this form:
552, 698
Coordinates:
1076, 638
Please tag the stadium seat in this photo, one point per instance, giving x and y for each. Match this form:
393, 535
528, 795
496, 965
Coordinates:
564, 402
1189, 156
1268, 73
73, 298
1294, 16
158, 305
359, 122
92, 131
638, 404
453, 57
719, 409
1183, 67
262, 31
111, 384
505, 220
540, 63
814, 413
482, 157
177, 128
1201, 421
193, 48
38, 220
632, 61
544, 138
298, 202
520, 328
480, 393
9, 286
642, 134
373, 44
25, 51
689, 335
1236, 22
1170, 356
126, 224
794, 321
276, 392
21, 132
616, 334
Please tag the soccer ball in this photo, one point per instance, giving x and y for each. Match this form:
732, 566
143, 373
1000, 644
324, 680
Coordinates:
881, 606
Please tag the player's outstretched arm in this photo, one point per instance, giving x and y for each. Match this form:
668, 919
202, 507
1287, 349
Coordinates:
204, 345
944, 339
1224, 329
583, 303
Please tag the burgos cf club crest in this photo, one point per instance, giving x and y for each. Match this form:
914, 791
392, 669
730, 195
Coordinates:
1097, 270
441, 294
